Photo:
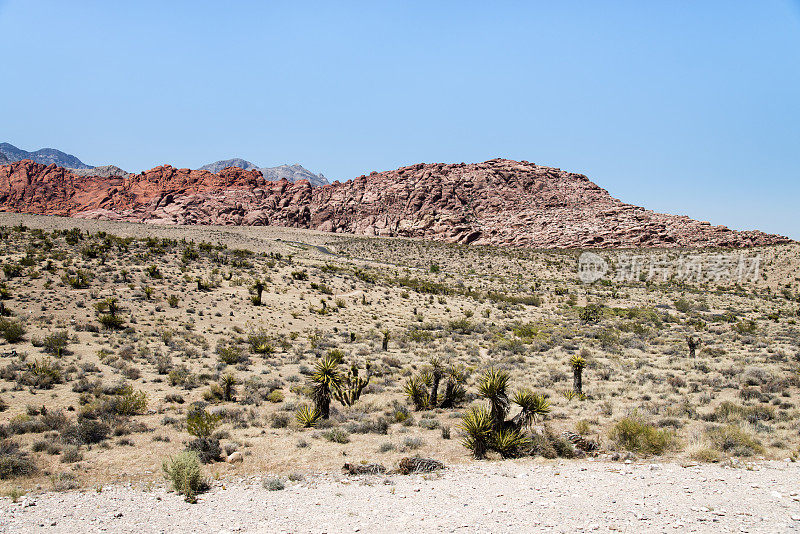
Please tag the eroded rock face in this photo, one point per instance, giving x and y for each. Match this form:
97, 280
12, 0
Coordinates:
497, 202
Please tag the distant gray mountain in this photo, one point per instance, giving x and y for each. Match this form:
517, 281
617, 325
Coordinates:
292, 173
45, 156
3, 159
225, 163
105, 171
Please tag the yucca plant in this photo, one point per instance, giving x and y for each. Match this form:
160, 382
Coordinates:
109, 313
476, 424
349, 391
509, 442
436, 373
261, 342
454, 386
416, 390
326, 379
577, 362
228, 384
258, 289
492, 387
307, 416
533, 405
385, 341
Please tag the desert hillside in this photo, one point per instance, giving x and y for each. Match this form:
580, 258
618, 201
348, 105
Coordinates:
497, 202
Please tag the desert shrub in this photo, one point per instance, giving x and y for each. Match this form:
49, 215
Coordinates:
336, 435
307, 416
12, 331
207, 449
377, 426
200, 423
163, 364
550, 445
111, 322
633, 434
591, 313
273, 484
412, 443
275, 396
734, 440
428, 423
261, 342
14, 462
25, 424
745, 328
65, 482
461, 326
730, 412
126, 402
56, 343
70, 455
184, 473
230, 354
86, 431
279, 420
41, 373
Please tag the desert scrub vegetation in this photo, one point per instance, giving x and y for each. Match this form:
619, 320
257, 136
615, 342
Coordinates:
185, 475
129, 335
635, 435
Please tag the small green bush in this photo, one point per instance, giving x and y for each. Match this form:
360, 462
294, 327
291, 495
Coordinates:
12, 331
184, 473
633, 434
273, 484
336, 435
734, 440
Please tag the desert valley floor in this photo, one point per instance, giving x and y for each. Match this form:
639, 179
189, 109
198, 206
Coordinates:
117, 335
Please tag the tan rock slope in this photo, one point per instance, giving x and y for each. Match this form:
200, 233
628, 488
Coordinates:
497, 202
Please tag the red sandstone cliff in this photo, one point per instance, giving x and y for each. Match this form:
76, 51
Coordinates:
498, 202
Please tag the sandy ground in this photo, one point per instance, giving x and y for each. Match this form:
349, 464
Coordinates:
510, 496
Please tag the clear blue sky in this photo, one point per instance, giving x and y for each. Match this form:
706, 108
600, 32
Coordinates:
679, 106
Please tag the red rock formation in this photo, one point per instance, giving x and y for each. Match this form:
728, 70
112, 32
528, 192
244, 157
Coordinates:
497, 202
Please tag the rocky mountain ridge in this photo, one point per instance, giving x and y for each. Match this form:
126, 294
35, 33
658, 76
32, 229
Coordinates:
293, 173
45, 156
497, 202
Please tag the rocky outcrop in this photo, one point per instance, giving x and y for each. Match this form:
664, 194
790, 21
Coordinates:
292, 173
103, 171
497, 202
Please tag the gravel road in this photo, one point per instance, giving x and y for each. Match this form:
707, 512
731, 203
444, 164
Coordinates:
523, 496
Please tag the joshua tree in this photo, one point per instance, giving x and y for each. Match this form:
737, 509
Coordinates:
492, 387
693, 343
437, 370
349, 391
577, 362
453, 388
258, 287
533, 407
414, 389
385, 343
109, 310
228, 387
327, 380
